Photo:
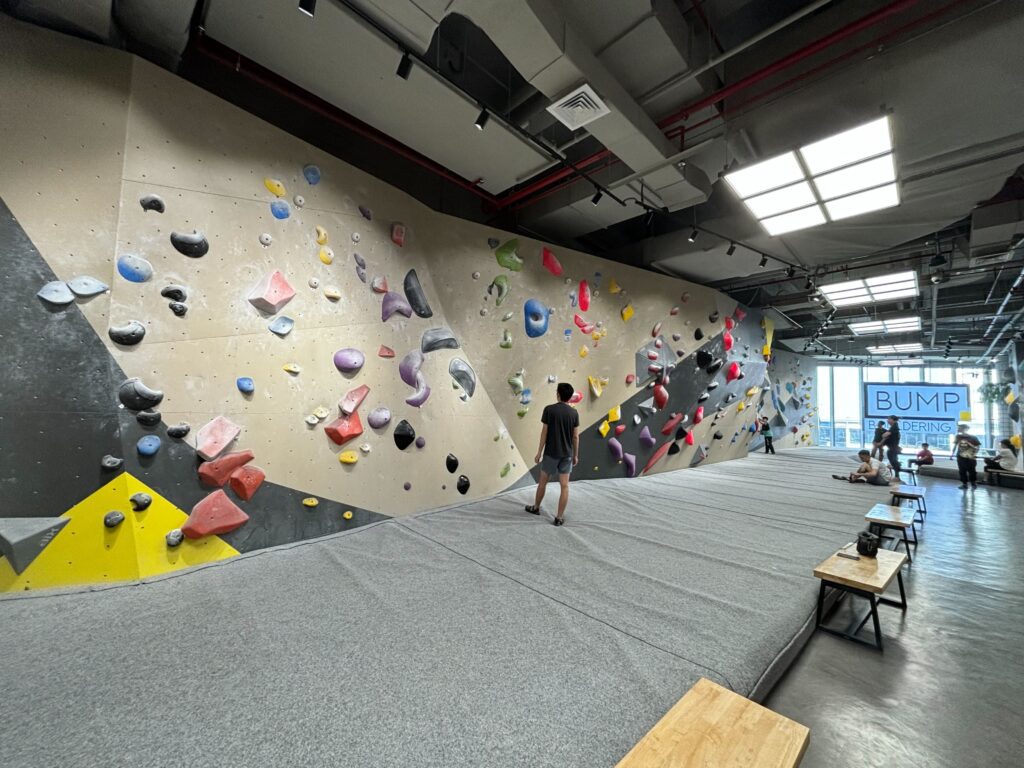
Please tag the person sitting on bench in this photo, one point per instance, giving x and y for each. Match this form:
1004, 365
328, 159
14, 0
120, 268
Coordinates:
1005, 460
924, 457
871, 471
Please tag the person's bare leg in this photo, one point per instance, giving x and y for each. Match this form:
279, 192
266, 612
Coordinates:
541, 486
563, 497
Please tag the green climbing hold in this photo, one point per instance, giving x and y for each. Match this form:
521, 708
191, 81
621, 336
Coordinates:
508, 256
499, 286
506, 340
506, 469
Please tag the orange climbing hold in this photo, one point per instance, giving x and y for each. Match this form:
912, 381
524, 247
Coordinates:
385, 351
213, 515
245, 481
215, 473
343, 429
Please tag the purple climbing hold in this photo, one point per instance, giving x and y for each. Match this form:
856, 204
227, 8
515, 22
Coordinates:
407, 485
392, 303
646, 438
616, 448
348, 360
421, 442
409, 371
379, 417
366, 213
360, 261
630, 461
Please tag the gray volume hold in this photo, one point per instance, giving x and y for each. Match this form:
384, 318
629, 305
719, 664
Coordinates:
128, 335
136, 396
193, 245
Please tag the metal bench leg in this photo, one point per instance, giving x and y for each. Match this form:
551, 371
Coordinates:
906, 546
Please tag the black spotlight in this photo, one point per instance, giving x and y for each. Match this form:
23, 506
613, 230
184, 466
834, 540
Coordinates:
791, 271
598, 194
404, 67
731, 250
764, 261
693, 235
809, 285
308, 7
938, 260
481, 121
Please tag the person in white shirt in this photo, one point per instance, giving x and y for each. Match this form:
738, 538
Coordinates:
871, 471
1006, 458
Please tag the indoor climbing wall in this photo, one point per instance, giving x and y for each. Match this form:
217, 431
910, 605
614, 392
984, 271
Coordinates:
790, 403
227, 340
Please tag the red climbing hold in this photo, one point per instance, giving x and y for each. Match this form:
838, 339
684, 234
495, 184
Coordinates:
343, 429
671, 424
214, 436
213, 515
584, 295
732, 372
272, 293
619, 429
398, 234
729, 323
739, 314
216, 473
656, 330
689, 438
727, 340
577, 396
245, 481
656, 456
385, 351
550, 262
630, 378
698, 415
353, 399
660, 397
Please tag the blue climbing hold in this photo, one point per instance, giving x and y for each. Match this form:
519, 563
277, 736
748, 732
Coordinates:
148, 445
536, 318
527, 397
135, 269
280, 209
245, 385
312, 174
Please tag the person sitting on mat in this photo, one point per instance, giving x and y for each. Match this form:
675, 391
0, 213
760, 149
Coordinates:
876, 441
871, 471
1006, 459
966, 448
559, 449
766, 433
924, 457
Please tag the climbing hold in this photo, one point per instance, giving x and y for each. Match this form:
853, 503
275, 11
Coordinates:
656, 457
536, 317
134, 269
404, 435
689, 438
739, 314
727, 341
379, 417
499, 286
698, 334
311, 420
660, 396
451, 462
698, 415
321, 413
616, 448
366, 213
626, 313
85, 286
703, 396
619, 429
483, 312
281, 326
672, 423
140, 501
344, 428
215, 514
174, 292
742, 406
523, 411
293, 368
217, 472
703, 358
656, 330
646, 438
379, 284
271, 293
136, 396
463, 374
493, 242
152, 203
415, 295
613, 287
506, 340
515, 381
245, 481
129, 334
463, 485
113, 519
275, 187
332, 293
179, 431
148, 418
174, 537
353, 399
266, 239
615, 413
320, 234
409, 372
729, 323
630, 378
299, 201
280, 209
347, 514
348, 457
438, 338
732, 372
584, 295
348, 360
713, 317
577, 397
421, 442
508, 257
407, 485
685, 297
310, 501
214, 436
550, 262
392, 303
398, 234
326, 254
312, 174
148, 445
715, 366
629, 460
192, 244
508, 316
111, 462
674, 311
22, 539
178, 308
245, 385
365, 448
597, 385
584, 351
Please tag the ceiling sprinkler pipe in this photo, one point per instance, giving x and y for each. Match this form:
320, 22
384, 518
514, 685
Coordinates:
1009, 323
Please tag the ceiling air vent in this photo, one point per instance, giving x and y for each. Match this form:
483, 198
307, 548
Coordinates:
579, 107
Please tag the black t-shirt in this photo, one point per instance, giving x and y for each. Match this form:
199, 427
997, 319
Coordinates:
879, 431
561, 419
894, 436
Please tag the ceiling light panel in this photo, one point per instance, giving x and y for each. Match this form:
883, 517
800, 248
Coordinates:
895, 349
897, 363
848, 147
855, 178
863, 202
868, 328
794, 220
789, 198
769, 174
895, 325
871, 290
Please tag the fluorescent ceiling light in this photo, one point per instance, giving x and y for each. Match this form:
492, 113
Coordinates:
897, 363
848, 147
769, 174
789, 222
863, 202
789, 198
871, 290
871, 173
895, 325
896, 349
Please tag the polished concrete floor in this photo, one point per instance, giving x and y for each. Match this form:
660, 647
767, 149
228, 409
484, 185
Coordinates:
948, 689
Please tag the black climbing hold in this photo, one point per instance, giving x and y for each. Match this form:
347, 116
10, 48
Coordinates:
136, 396
493, 242
718, 435
715, 367
681, 433
152, 203
148, 418
451, 462
179, 430
140, 501
174, 293
702, 397
193, 244
463, 485
129, 334
713, 317
111, 462
698, 334
673, 449
178, 308
704, 358
730, 397
405, 435
174, 537
414, 294
113, 519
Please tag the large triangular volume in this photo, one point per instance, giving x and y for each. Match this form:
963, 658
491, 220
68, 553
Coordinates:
22, 539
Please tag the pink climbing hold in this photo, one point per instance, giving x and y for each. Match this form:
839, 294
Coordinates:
619, 429
398, 234
727, 341
656, 456
216, 473
385, 351
729, 323
652, 355
577, 396
379, 284
660, 396
214, 436
674, 311
550, 262
584, 296
630, 378
732, 372
658, 343
344, 428
698, 415
739, 314
245, 481
656, 330
671, 424
353, 398
272, 293
583, 325
213, 515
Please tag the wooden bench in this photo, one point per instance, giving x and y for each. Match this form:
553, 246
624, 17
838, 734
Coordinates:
867, 577
882, 517
914, 493
712, 726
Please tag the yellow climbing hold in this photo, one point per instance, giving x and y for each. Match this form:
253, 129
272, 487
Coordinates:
583, 351
766, 351
742, 406
347, 514
615, 413
752, 391
613, 287
596, 335
321, 235
603, 429
348, 457
326, 255
275, 187
310, 501
626, 312
597, 385
294, 368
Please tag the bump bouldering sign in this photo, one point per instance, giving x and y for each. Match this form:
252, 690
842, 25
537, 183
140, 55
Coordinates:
919, 401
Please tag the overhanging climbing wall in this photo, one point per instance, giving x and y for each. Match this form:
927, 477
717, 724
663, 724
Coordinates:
333, 349
791, 402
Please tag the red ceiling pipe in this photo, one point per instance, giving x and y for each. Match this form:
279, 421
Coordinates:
258, 74
507, 200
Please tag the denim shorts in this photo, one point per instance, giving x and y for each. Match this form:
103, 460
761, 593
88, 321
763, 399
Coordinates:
554, 466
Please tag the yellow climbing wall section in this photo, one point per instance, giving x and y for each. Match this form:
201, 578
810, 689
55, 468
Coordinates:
87, 552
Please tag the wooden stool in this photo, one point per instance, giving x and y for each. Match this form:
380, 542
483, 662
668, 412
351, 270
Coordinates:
912, 472
882, 517
913, 493
712, 726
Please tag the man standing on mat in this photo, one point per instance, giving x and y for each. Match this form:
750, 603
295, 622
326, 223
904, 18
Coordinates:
559, 449
766, 433
966, 447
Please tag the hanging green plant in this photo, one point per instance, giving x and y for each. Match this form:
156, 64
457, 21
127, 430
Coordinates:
993, 393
